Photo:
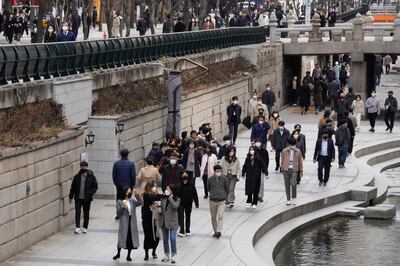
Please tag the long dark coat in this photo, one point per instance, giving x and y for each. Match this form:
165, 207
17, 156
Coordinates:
304, 94
150, 225
252, 169
124, 223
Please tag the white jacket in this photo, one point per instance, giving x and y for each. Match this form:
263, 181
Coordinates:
212, 160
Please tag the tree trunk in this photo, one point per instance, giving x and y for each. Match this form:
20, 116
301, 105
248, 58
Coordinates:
150, 5
41, 12
101, 16
108, 13
7, 7
133, 13
122, 15
187, 18
202, 11
85, 9
128, 11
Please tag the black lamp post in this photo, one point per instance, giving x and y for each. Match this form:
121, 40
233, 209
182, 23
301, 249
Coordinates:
89, 138
119, 128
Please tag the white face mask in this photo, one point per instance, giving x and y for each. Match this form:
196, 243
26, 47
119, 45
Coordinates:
275, 115
227, 142
261, 122
259, 102
252, 152
293, 146
173, 161
218, 174
258, 144
281, 128
65, 28
268, 88
235, 102
373, 94
50, 30
255, 97
295, 136
167, 193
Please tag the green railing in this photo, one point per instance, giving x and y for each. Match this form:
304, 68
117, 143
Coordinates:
23, 63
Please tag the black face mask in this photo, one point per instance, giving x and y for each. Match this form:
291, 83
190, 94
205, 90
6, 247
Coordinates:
129, 195
325, 137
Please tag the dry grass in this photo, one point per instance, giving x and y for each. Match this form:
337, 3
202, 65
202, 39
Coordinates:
30, 122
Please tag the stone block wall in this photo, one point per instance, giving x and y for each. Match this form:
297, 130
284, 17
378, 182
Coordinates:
34, 188
76, 97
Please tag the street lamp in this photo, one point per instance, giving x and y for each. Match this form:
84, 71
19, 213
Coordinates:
89, 138
119, 128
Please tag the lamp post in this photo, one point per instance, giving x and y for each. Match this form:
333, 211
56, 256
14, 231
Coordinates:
119, 128
89, 138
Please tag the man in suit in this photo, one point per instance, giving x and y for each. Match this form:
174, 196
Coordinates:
324, 154
66, 35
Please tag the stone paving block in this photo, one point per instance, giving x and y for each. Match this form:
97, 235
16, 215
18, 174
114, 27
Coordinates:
380, 211
364, 193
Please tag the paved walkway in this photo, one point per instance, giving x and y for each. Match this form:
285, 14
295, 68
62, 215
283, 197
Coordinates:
99, 245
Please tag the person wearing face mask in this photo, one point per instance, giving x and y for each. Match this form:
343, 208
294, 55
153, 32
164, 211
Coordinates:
373, 108
217, 185
342, 140
147, 174
151, 218
268, 98
274, 123
252, 170
391, 109
65, 35
304, 95
328, 127
231, 169
253, 110
171, 173
191, 161
358, 110
9, 28
207, 24
169, 221
83, 187
292, 163
279, 142
234, 112
263, 153
324, 154
300, 140
50, 35
128, 231
260, 131
223, 148
341, 107
262, 106
188, 195
208, 161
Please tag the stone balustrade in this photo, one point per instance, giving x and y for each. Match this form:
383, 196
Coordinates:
361, 28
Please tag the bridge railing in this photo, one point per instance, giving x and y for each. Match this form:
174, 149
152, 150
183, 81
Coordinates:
22, 63
360, 29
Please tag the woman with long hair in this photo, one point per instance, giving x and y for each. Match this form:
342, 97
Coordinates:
231, 169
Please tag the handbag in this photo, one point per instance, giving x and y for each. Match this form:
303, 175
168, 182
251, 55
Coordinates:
247, 122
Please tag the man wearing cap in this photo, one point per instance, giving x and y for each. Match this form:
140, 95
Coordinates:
124, 174
171, 173
83, 187
391, 109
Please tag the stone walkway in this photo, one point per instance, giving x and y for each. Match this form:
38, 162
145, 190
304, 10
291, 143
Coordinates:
99, 245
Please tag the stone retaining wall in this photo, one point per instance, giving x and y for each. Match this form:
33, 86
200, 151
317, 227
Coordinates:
34, 188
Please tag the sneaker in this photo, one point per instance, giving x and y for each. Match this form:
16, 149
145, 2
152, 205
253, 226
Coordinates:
254, 206
188, 234
320, 184
165, 259
372, 130
260, 199
324, 184
231, 206
181, 234
294, 202
215, 234
288, 203
173, 259
387, 129
205, 197
77, 230
84, 231
248, 206
218, 234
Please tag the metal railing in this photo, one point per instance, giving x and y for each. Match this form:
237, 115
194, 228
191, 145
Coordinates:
22, 63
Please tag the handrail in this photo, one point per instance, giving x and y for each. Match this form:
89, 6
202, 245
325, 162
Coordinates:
68, 58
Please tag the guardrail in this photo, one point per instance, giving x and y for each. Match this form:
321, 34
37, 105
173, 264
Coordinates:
22, 63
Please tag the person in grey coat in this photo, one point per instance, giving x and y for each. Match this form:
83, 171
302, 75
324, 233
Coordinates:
169, 221
128, 232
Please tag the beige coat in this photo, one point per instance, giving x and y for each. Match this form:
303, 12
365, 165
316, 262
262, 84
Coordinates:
297, 160
146, 174
115, 27
274, 125
358, 107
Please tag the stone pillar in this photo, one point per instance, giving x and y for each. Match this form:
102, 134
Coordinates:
273, 25
337, 35
294, 36
396, 25
368, 20
315, 35
358, 31
358, 78
290, 20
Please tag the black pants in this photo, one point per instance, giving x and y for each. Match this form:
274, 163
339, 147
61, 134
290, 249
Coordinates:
191, 179
351, 144
372, 119
252, 198
233, 130
324, 164
205, 177
86, 208
184, 213
389, 119
387, 69
75, 31
277, 158
118, 196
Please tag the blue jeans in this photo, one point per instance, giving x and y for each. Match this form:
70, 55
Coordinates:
169, 234
343, 150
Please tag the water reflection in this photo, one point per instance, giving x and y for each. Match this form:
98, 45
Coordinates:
345, 241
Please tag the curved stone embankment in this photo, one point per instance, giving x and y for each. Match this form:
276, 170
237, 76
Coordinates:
279, 222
